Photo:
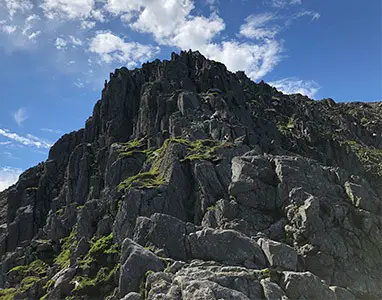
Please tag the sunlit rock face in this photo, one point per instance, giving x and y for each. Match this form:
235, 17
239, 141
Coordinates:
192, 182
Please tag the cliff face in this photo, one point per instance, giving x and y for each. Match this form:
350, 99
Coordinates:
191, 182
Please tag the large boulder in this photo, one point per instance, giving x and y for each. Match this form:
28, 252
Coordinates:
135, 262
225, 246
305, 285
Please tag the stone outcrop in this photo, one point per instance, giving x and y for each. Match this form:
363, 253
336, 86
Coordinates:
192, 182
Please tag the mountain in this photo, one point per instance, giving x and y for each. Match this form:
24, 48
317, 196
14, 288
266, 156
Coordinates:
192, 182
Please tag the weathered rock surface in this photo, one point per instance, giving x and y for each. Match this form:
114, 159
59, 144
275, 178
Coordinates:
192, 182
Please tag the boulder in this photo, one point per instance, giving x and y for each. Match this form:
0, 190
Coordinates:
135, 262
224, 246
279, 254
305, 285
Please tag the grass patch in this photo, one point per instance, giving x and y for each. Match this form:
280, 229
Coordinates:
131, 147
35, 268
99, 250
370, 157
104, 276
63, 258
7, 294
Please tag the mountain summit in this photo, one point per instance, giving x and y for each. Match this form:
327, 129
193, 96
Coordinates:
192, 182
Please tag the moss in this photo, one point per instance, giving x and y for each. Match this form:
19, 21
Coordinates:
150, 179
7, 294
60, 212
104, 245
131, 147
49, 284
28, 282
370, 157
291, 123
203, 150
104, 276
100, 248
196, 150
35, 268
211, 208
63, 258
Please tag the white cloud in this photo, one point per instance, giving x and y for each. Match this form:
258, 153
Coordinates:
60, 43
121, 6
75, 41
4, 143
56, 131
255, 59
30, 140
8, 176
314, 15
255, 26
9, 29
162, 17
18, 6
196, 32
87, 24
294, 85
20, 116
283, 3
112, 48
68, 9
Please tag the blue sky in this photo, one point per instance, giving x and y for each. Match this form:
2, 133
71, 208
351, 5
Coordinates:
55, 55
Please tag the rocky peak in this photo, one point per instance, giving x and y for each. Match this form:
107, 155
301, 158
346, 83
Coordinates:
192, 182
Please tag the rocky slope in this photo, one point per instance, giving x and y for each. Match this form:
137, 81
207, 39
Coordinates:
191, 182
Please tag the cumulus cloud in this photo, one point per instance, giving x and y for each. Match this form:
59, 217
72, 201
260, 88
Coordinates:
29, 140
112, 48
8, 176
294, 85
196, 32
20, 116
256, 60
68, 9
18, 6
256, 49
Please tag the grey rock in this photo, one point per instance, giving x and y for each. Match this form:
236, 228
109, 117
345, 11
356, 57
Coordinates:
279, 254
224, 245
342, 293
135, 262
305, 285
272, 291
132, 296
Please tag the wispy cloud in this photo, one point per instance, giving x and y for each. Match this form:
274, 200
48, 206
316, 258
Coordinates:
20, 116
283, 3
8, 176
293, 85
56, 131
29, 140
257, 26
5, 143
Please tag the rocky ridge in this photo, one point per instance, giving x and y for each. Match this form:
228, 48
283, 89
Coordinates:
192, 182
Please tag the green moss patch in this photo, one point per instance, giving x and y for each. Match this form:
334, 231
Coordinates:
63, 258
131, 147
35, 268
370, 157
99, 250
98, 268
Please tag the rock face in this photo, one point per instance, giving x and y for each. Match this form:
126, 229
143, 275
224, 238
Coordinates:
191, 182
